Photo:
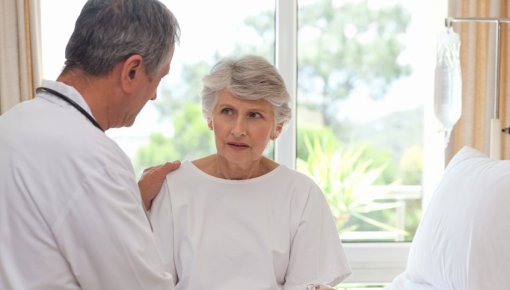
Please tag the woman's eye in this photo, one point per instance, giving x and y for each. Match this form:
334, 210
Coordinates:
226, 111
255, 115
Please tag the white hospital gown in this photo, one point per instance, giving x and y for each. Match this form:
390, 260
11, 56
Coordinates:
275, 231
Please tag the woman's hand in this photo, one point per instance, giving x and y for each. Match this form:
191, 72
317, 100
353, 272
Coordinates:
152, 180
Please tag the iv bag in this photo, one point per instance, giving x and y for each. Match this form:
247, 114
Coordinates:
448, 81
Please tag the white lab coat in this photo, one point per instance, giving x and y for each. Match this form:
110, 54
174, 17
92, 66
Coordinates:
272, 232
71, 216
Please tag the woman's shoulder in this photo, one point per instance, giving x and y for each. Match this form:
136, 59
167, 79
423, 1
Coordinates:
184, 170
192, 170
296, 182
295, 175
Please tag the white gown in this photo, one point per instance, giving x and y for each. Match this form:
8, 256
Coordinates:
275, 231
71, 216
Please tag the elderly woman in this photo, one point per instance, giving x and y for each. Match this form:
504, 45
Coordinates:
236, 219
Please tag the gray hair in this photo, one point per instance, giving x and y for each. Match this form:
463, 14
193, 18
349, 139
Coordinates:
251, 78
109, 31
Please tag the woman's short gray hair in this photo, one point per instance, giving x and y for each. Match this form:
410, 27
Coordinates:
109, 31
249, 77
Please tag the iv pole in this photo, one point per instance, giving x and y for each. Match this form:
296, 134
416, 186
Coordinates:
495, 130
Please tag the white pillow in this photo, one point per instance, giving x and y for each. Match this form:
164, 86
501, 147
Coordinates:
463, 240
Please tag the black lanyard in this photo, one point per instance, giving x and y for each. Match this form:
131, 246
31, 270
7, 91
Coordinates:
72, 103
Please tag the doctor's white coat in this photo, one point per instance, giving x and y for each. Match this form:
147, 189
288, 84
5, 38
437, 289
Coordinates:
71, 216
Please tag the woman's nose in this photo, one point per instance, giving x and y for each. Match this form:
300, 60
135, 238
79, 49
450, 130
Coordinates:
239, 128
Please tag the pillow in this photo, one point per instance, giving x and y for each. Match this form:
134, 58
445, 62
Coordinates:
463, 239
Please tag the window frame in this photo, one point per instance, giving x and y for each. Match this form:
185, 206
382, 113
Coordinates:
370, 262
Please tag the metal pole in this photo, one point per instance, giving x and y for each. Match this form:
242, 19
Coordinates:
497, 72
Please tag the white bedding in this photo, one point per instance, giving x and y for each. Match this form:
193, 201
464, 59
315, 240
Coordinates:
463, 240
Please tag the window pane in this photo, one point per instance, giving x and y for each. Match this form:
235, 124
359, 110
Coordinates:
56, 28
365, 71
360, 118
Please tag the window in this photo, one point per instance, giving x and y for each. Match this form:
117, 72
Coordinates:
362, 71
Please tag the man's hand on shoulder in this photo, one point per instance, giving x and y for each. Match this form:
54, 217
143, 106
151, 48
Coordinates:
152, 180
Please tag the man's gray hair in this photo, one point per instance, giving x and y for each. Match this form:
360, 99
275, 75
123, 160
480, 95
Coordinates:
249, 77
109, 31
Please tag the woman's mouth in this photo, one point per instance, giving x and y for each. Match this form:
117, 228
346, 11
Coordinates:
237, 145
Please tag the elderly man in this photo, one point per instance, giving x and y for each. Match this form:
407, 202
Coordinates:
71, 216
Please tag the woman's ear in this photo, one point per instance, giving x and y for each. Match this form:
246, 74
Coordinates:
277, 131
209, 124
132, 70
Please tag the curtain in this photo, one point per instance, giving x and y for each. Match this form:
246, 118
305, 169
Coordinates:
478, 53
20, 66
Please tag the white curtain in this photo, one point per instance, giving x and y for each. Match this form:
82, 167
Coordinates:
20, 51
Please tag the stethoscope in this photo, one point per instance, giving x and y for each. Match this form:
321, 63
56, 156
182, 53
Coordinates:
72, 103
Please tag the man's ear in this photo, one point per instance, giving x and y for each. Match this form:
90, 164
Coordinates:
132, 70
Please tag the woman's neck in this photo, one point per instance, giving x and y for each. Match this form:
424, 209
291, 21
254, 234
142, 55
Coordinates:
219, 167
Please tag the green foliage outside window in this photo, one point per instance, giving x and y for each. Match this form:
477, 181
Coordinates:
346, 175
194, 139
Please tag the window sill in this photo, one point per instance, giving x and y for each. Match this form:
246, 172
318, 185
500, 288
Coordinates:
376, 262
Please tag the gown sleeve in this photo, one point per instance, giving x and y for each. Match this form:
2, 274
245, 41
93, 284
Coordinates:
161, 217
316, 255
